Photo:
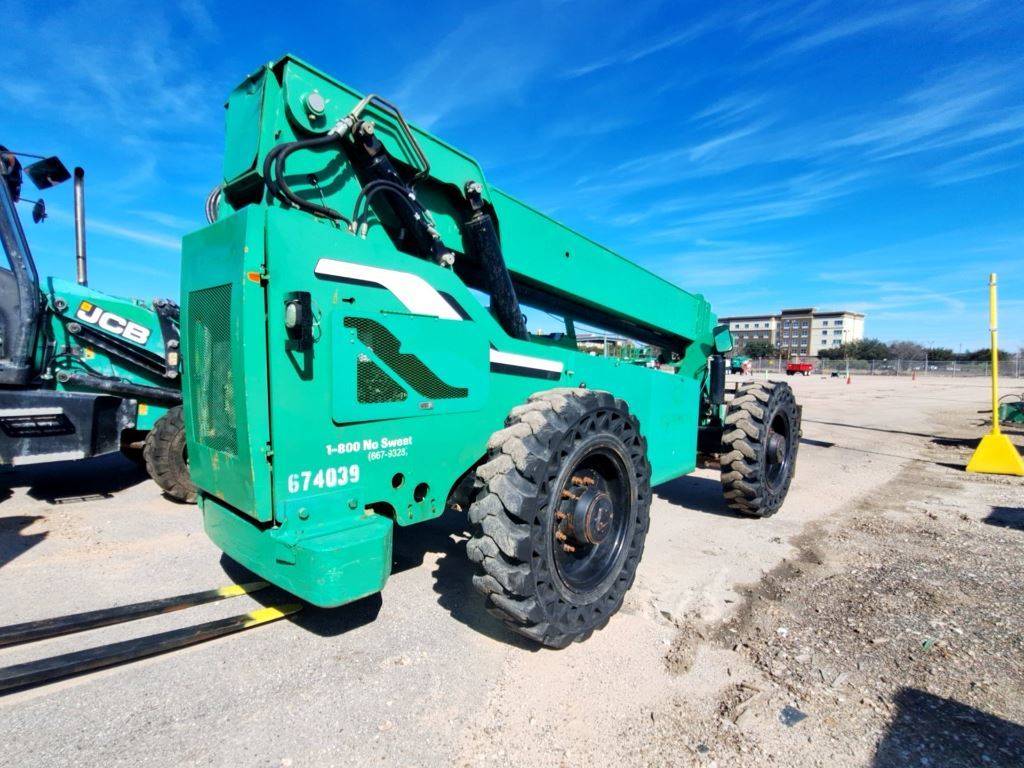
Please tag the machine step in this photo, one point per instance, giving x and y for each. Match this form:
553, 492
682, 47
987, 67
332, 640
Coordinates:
16, 634
46, 670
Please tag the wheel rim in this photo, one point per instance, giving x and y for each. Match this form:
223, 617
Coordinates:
591, 519
777, 450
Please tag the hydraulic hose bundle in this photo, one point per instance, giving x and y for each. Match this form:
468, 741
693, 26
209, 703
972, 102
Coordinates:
384, 180
274, 165
375, 167
274, 175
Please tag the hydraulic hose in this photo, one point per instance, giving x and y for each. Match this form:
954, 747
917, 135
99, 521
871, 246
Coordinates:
373, 188
277, 184
370, 190
268, 163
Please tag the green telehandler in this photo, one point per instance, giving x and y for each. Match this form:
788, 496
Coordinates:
82, 373
341, 376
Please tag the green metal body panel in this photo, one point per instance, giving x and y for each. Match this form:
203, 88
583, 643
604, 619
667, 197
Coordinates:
306, 457
68, 302
325, 567
225, 366
1012, 412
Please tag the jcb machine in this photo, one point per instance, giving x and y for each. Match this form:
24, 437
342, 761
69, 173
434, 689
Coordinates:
82, 373
342, 377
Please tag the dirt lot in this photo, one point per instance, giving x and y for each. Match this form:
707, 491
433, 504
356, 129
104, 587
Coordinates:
878, 620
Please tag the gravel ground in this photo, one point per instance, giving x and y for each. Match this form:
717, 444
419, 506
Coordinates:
875, 621
894, 638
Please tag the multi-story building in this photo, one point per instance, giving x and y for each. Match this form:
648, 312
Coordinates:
803, 331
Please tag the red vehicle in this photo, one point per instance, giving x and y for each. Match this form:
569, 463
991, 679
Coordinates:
794, 368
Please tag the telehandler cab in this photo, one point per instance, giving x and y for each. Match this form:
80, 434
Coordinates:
82, 373
342, 377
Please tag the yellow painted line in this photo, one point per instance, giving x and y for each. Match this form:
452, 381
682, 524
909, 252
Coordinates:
46, 670
234, 590
270, 613
16, 634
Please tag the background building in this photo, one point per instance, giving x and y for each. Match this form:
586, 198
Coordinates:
801, 331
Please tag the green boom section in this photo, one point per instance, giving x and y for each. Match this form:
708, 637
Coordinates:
270, 107
311, 440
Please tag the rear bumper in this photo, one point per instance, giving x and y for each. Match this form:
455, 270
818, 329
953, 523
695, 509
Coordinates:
41, 425
326, 569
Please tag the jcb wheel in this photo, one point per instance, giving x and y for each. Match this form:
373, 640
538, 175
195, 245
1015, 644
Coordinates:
560, 521
762, 434
167, 457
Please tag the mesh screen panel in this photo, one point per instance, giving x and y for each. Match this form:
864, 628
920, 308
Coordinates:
373, 385
213, 383
412, 370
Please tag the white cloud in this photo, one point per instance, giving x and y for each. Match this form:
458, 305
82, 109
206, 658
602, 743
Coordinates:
481, 61
640, 52
170, 221
135, 235
120, 231
855, 25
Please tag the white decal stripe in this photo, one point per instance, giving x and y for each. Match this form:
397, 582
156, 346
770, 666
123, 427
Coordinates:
413, 291
525, 361
43, 411
42, 458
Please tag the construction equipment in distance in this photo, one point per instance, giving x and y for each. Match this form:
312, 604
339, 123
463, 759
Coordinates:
740, 364
1011, 409
341, 378
996, 454
82, 373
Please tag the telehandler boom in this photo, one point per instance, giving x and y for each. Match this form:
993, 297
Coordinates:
342, 376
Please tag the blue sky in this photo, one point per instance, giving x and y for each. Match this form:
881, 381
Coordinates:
863, 156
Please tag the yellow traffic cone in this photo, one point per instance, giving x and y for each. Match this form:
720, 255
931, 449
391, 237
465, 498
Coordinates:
995, 454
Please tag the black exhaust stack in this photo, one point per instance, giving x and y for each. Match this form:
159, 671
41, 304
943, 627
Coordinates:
80, 270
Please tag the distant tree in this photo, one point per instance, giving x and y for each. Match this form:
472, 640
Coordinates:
906, 350
940, 354
759, 348
983, 354
866, 349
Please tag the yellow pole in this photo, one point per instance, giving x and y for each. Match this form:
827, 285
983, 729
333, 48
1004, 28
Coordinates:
995, 454
993, 327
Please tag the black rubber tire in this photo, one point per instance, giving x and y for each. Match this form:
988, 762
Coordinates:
747, 474
167, 457
513, 514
